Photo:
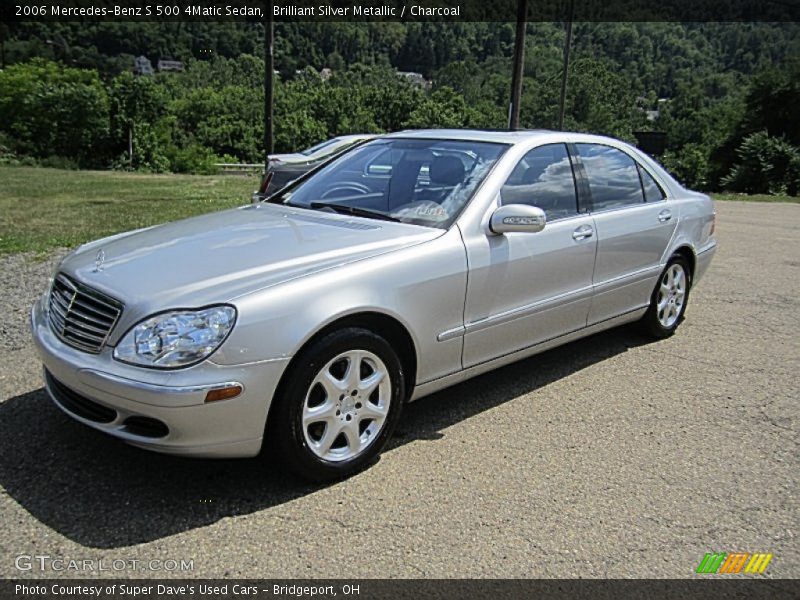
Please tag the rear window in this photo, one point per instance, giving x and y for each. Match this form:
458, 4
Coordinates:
318, 147
613, 177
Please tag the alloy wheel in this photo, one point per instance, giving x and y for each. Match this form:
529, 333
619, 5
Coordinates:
346, 405
671, 295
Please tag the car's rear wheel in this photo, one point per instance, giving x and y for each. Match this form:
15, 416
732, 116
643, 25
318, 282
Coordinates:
669, 299
339, 405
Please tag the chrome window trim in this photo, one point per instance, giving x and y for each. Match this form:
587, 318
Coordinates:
626, 207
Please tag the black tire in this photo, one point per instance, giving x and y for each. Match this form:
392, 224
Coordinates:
650, 324
285, 438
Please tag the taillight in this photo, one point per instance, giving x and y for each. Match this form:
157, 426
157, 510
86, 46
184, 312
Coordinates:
713, 224
262, 189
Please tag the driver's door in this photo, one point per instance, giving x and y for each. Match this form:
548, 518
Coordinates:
527, 288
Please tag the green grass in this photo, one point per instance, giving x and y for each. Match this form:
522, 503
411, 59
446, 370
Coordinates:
756, 198
42, 209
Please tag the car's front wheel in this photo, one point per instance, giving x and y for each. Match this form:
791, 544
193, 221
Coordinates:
669, 299
339, 405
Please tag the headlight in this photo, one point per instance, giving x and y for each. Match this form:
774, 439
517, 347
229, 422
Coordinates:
176, 338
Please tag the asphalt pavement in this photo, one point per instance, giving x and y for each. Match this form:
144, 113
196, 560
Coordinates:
612, 456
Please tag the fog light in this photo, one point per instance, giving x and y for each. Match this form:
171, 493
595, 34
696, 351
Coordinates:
223, 393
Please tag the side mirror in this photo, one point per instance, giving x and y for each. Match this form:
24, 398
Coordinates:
517, 217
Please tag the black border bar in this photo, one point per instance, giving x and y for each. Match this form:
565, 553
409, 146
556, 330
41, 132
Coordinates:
399, 589
400, 10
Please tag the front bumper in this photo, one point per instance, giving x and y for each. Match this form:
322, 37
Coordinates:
163, 411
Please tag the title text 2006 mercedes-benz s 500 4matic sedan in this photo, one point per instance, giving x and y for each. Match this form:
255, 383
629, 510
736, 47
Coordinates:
407, 264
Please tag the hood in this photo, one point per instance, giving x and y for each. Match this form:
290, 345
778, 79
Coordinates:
220, 256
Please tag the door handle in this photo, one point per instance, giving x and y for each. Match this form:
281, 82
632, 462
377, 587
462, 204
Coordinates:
582, 232
665, 215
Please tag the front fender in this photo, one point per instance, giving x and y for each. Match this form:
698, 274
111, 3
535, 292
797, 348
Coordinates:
423, 287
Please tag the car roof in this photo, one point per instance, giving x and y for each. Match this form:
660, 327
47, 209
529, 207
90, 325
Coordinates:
475, 135
503, 136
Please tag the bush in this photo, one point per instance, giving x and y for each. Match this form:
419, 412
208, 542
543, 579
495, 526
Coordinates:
195, 159
689, 165
48, 110
59, 162
7, 155
767, 165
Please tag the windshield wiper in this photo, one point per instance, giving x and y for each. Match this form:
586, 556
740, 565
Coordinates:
355, 211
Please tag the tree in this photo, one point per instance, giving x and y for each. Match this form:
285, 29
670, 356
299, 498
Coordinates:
599, 100
443, 108
226, 120
767, 165
137, 107
48, 111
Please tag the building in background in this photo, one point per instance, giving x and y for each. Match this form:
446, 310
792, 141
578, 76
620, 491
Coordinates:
169, 65
142, 66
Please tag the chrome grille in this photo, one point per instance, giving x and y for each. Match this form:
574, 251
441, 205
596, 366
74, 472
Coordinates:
80, 316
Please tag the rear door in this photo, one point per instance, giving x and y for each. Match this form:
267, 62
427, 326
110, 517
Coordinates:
634, 224
526, 288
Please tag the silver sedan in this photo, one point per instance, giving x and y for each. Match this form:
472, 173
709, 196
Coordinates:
410, 263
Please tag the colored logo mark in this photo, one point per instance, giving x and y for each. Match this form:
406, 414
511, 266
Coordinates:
734, 562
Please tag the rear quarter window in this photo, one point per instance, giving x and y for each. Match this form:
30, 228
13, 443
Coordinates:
652, 191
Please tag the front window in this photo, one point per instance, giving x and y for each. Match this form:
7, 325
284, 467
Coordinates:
421, 181
543, 178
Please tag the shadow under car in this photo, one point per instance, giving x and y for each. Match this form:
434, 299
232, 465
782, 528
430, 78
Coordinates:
102, 493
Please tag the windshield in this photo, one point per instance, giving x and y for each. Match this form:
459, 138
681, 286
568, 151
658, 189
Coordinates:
317, 147
420, 181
